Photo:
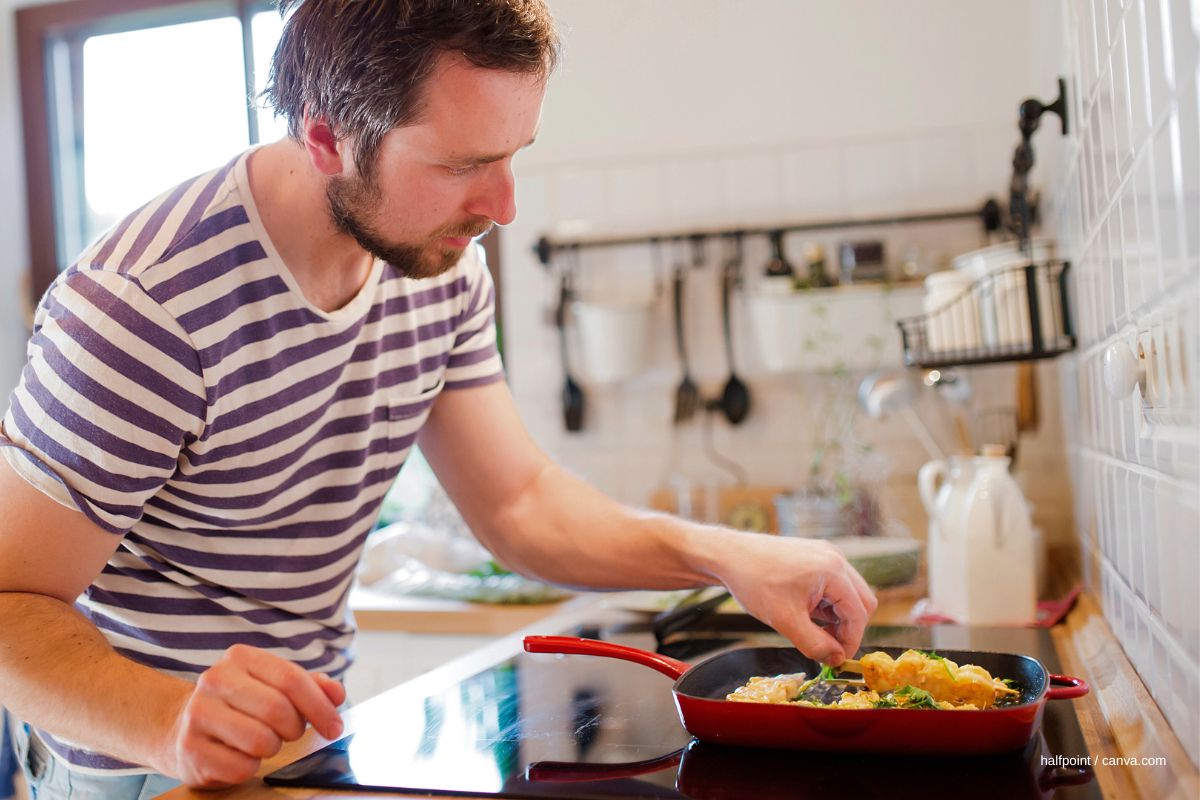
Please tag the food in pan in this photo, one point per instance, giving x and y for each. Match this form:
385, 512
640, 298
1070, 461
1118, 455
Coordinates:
917, 679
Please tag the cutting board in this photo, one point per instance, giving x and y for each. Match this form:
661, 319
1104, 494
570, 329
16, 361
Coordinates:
742, 507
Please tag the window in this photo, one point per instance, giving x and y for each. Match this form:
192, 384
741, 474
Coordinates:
122, 99
126, 99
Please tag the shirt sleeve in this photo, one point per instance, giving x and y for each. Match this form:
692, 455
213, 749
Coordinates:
111, 392
474, 359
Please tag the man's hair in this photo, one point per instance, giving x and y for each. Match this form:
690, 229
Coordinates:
362, 64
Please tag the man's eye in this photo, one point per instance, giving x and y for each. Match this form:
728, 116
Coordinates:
467, 170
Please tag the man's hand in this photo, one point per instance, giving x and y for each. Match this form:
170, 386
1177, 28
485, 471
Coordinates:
241, 711
781, 581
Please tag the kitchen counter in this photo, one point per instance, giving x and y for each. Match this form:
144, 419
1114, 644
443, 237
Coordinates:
1118, 719
376, 611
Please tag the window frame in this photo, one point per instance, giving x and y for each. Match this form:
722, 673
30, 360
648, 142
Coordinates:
42, 25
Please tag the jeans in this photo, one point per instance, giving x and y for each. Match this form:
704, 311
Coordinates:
51, 779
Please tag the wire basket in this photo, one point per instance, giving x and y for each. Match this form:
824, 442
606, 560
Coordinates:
1015, 314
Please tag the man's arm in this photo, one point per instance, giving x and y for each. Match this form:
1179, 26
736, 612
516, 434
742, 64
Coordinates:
544, 522
59, 673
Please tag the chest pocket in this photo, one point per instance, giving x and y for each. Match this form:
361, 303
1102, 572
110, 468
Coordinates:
406, 414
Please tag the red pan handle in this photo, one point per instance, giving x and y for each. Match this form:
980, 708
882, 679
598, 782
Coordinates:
1068, 687
668, 666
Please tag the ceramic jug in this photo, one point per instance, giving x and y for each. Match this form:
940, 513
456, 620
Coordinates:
943, 485
999, 546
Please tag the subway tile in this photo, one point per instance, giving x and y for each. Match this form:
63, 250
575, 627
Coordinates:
1160, 67
1148, 535
1132, 278
1088, 50
815, 182
1169, 555
753, 185
878, 176
1122, 111
1168, 183
1185, 42
581, 200
1116, 268
693, 191
1189, 132
1139, 82
939, 167
636, 194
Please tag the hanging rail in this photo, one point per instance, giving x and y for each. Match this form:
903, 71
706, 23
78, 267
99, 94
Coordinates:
989, 216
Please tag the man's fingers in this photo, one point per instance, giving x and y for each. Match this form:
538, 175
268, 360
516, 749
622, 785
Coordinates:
333, 689
813, 641
301, 688
851, 611
242, 732
255, 698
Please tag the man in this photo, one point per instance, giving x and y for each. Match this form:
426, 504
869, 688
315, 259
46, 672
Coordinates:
221, 389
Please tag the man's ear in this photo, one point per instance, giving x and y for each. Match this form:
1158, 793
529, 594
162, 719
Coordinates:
322, 145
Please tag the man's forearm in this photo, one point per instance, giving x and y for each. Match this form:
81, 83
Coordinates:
562, 530
59, 673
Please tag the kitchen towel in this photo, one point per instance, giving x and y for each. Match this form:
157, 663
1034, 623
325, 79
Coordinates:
8, 761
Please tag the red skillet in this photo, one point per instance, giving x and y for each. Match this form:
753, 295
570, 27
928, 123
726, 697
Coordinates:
700, 692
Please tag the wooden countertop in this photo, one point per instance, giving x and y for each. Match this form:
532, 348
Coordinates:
376, 611
1119, 719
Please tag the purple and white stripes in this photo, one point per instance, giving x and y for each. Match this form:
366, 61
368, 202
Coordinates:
182, 393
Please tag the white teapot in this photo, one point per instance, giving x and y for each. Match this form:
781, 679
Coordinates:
982, 550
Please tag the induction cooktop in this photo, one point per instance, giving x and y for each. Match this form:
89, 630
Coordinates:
581, 727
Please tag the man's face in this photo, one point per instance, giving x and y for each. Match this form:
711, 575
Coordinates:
437, 184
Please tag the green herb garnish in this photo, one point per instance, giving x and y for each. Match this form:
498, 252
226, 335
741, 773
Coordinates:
934, 656
827, 673
916, 698
488, 570
885, 702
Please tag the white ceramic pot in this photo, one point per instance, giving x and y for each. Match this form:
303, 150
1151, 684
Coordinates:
614, 339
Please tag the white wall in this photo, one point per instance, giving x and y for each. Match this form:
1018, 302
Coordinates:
680, 113
1126, 202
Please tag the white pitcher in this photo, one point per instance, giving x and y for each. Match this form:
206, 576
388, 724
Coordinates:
943, 485
999, 545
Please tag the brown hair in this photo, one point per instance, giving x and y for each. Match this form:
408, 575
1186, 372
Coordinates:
362, 64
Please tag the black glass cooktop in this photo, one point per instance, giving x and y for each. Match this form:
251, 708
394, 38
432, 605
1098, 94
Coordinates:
587, 727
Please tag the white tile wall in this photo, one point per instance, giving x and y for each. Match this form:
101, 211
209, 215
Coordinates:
1128, 208
690, 142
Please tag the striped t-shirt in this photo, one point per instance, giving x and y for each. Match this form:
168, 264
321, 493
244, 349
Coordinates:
182, 393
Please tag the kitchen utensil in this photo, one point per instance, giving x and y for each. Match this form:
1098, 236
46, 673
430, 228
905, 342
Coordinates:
700, 692
778, 266
687, 396
735, 398
572, 395
1027, 397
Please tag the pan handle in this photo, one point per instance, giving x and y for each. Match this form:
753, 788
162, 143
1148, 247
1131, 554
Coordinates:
1068, 687
668, 666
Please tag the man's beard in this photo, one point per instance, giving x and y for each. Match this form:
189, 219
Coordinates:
352, 200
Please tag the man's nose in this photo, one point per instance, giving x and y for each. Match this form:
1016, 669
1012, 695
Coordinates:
494, 197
